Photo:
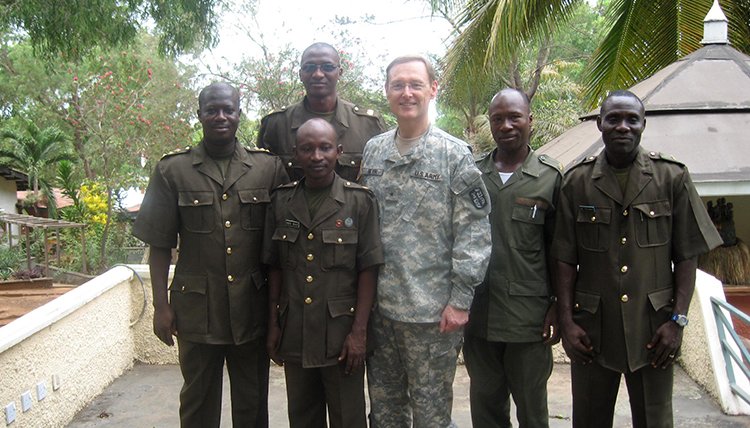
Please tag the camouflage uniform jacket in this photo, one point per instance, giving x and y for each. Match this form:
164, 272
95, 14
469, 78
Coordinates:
434, 228
354, 126
219, 292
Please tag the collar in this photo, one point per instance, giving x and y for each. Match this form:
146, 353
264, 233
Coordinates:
529, 166
302, 114
200, 154
642, 162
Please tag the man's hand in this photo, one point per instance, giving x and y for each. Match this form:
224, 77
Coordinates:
665, 343
355, 347
272, 342
165, 324
551, 332
577, 343
452, 319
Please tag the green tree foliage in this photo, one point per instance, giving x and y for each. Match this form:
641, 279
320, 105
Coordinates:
76, 27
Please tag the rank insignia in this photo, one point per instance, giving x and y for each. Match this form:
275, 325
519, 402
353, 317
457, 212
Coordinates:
349, 222
339, 223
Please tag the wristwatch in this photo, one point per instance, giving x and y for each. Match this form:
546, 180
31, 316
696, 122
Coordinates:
681, 320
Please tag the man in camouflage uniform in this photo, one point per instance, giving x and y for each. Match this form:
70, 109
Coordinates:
436, 240
320, 71
213, 196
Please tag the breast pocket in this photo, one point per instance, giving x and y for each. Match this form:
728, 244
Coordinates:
339, 249
592, 228
197, 211
253, 210
528, 221
652, 227
284, 237
427, 204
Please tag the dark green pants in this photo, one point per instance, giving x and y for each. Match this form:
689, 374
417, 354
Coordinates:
202, 369
498, 370
595, 393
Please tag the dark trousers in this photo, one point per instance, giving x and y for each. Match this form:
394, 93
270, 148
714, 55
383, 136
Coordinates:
202, 369
595, 393
498, 370
308, 392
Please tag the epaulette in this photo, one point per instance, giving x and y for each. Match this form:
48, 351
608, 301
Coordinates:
478, 157
176, 151
584, 160
662, 156
353, 185
255, 149
549, 161
364, 112
290, 185
281, 109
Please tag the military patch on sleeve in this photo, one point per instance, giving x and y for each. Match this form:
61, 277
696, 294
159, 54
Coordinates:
478, 198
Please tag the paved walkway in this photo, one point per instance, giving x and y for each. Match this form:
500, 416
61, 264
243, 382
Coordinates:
147, 396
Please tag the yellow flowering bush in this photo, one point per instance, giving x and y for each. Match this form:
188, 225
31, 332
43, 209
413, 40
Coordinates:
94, 198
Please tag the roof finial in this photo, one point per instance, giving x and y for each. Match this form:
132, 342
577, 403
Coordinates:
715, 26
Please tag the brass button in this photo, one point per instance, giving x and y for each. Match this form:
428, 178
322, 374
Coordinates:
310, 257
183, 288
576, 305
230, 278
289, 164
309, 278
623, 240
228, 224
229, 250
651, 213
255, 199
340, 240
593, 218
224, 197
195, 202
354, 163
625, 213
348, 183
653, 153
625, 298
624, 269
308, 300
310, 236
351, 310
283, 237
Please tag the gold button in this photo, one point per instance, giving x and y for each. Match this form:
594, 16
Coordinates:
576, 305
625, 298
651, 213
339, 240
653, 153
255, 199
309, 278
229, 250
624, 240
289, 164
593, 218
230, 278
354, 163
348, 183
625, 213
224, 196
351, 310
310, 236
624, 269
283, 237
308, 300
195, 202
310, 257
183, 288
228, 224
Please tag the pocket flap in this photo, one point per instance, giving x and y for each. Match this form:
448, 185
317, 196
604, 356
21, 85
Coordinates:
528, 214
286, 234
195, 198
340, 236
586, 301
189, 283
339, 306
661, 297
254, 196
654, 209
594, 215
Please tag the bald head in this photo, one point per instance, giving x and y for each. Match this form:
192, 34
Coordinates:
219, 87
509, 95
317, 128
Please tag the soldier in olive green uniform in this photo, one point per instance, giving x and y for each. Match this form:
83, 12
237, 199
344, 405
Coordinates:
323, 247
354, 125
214, 197
630, 225
508, 342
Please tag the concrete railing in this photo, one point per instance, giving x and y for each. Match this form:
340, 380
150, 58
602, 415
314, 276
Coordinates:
76, 345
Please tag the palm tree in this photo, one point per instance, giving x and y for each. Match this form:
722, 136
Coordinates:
643, 36
32, 151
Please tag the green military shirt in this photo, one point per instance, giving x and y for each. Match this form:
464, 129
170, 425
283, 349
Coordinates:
624, 246
354, 126
512, 302
320, 259
219, 292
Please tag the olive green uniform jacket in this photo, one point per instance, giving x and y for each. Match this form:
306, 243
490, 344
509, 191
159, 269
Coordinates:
219, 292
320, 259
512, 302
624, 246
354, 126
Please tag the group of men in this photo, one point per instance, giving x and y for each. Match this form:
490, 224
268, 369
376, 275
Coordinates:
337, 243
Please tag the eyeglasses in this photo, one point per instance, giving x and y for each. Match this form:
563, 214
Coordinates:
400, 87
326, 68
